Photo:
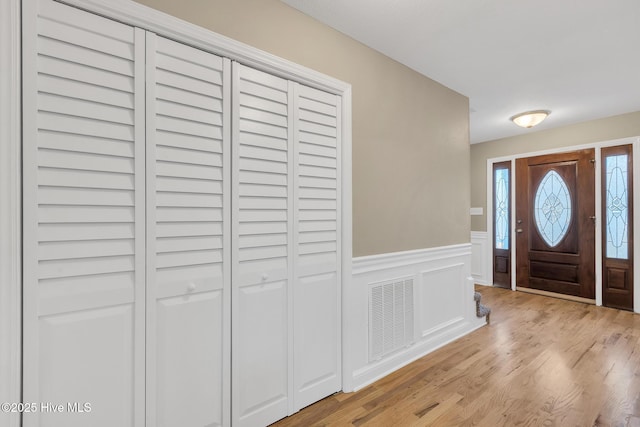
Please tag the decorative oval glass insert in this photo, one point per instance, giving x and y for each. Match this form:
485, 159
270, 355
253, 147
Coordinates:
552, 208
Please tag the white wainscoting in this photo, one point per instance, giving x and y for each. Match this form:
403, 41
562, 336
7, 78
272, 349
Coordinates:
480, 258
444, 309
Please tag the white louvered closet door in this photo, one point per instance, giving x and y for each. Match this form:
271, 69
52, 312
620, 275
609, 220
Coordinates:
84, 219
316, 298
261, 328
188, 262
286, 256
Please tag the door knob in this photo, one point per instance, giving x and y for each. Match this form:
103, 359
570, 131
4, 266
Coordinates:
519, 230
191, 287
265, 276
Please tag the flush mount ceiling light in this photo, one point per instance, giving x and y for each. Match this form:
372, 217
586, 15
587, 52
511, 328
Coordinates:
530, 118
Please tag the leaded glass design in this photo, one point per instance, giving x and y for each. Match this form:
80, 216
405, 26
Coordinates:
617, 206
552, 208
501, 203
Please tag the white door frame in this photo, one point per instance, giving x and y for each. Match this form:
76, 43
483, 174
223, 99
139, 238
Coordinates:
597, 146
144, 17
10, 208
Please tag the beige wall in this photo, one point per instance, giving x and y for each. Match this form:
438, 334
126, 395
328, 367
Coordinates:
606, 129
410, 134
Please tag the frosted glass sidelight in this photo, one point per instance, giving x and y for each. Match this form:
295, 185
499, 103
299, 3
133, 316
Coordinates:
617, 206
552, 208
501, 226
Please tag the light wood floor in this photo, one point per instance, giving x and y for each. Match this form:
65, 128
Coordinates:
541, 362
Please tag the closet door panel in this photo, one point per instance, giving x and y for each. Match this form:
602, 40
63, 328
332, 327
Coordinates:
84, 213
261, 356
316, 301
262, 248
188, 346
188, 156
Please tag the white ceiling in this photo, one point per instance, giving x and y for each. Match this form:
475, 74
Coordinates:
578, 58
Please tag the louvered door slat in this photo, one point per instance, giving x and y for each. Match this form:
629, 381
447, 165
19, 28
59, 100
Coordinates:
189, 228
189, 84
186, 244
73, 53
83, 215
178, 154
74, 89
169, 214
179, 96
188, 263
91, 249
188, 112
85, 74
84, 230
85, 144
85, 126
85, 179
60, 214
87, 109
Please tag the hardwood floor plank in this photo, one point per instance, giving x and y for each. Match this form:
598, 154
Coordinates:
541, 362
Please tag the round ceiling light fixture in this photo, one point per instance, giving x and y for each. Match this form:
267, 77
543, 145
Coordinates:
530, 119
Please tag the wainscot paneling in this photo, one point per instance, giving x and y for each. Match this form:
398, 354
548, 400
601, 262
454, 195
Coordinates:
437, 308
480, 258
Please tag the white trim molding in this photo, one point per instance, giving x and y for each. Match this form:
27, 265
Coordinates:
10, 209
480, 257
443, 309
144, 17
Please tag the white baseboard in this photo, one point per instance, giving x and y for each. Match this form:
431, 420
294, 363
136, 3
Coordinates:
373, 373
480, 257
444, 309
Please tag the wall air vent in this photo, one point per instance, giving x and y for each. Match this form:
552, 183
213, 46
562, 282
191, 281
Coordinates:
391, 317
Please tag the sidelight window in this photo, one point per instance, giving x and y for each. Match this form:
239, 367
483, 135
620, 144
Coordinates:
617, 206
501, 203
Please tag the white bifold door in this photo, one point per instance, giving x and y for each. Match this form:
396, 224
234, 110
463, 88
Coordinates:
181, 231
84, 218
285, 290
126, 204
188, 248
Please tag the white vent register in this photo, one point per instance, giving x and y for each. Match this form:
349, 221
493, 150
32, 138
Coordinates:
391, 317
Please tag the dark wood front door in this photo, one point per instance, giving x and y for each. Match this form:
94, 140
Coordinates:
555, 223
